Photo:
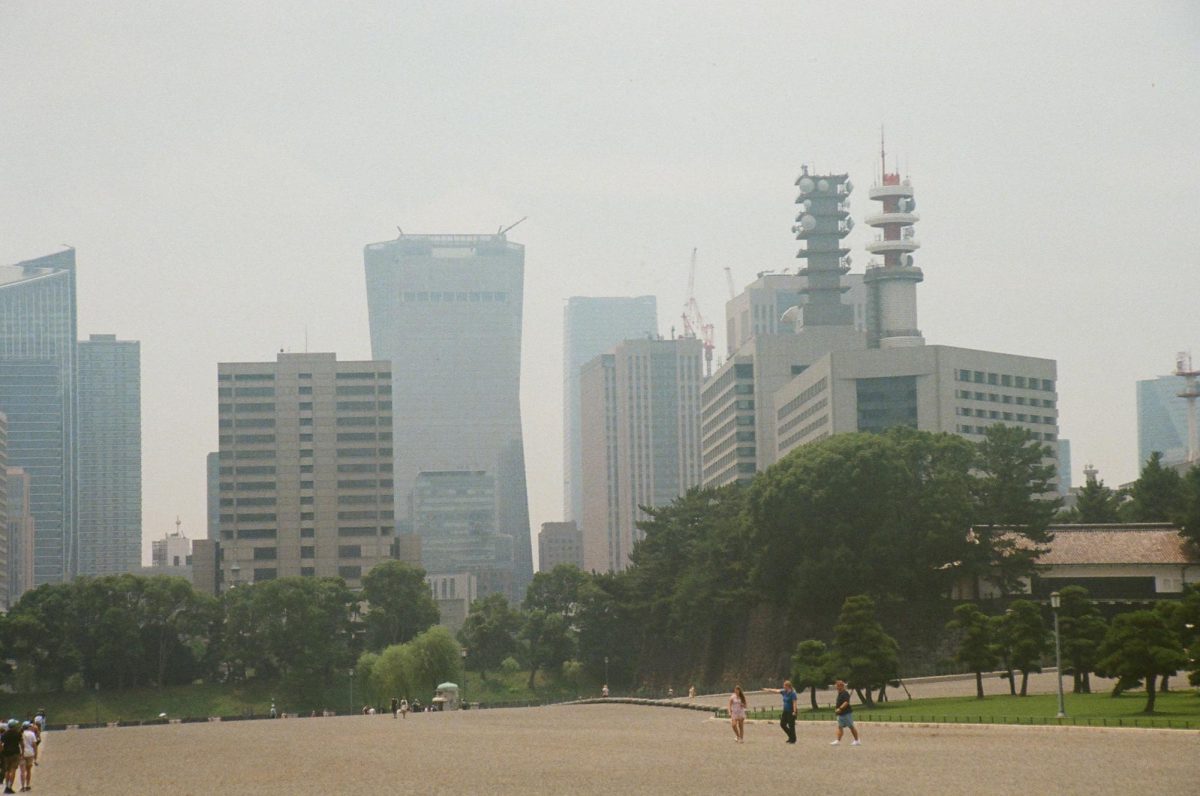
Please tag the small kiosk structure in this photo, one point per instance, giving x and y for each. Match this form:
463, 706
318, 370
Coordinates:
446, 697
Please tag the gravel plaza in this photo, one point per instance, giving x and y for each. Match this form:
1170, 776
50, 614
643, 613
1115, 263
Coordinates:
607, 748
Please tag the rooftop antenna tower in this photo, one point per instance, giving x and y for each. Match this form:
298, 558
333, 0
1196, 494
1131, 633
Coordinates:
1191, 391
823, 221
892, 284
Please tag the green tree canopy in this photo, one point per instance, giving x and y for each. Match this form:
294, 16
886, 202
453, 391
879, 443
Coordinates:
1096, 503
1081, 631
812, 668
399, 603
976, 648
1140, 645
1011, 510
1157, 495
865, 656
435, 658
1026, 638
489, 633
1189, 512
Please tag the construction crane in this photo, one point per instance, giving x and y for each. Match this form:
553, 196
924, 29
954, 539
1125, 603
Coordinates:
694, 324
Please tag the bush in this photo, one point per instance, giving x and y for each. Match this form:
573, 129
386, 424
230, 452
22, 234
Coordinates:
73, 684
510, 665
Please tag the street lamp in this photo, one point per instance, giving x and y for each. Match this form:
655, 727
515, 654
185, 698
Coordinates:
351, 692
606, 670
1055, 604
463, 696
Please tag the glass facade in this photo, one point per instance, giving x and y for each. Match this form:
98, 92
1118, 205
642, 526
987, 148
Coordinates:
110, 456
446, 311
887, 402
1162, 419
591, 327
37, 392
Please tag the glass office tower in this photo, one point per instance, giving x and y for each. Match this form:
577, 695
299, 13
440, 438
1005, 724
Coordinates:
37, 392
446, 310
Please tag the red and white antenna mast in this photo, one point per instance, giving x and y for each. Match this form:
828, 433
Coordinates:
1191, 391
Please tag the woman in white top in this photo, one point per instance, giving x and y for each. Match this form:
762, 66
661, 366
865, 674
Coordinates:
29, 742
737, 714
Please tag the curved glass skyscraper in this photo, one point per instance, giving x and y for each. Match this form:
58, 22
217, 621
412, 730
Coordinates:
446, 310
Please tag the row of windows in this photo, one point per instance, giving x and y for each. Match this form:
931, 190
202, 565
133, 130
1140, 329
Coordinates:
308, 551
1019, 417
804, 397
805, 415
1046, 436
1020, 400
486, 297
1005, 380
804, 432
309, 533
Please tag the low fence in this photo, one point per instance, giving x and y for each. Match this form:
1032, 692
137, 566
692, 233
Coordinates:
1040, 721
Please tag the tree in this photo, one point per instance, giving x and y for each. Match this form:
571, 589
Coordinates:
1189, 512
1011, 510
976, 648
812, 668
394, 673
436, 657
866, 656
399, 604
1157, 495
1081, 630
1026, 633
489, 633
1003, 639
1096, 503
1140, 645
549, 640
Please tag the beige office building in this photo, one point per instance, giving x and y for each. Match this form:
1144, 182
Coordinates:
640, 435
559, 543
305, 468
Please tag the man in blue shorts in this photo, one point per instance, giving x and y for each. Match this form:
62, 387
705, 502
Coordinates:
845, 715
787, 719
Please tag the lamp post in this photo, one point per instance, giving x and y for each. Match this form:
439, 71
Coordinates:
606, 670
351, 692
1055, 604
463, 696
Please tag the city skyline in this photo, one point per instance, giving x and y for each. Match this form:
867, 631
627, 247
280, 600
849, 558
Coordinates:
194, 201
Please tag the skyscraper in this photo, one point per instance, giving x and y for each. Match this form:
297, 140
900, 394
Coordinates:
110, 455
20, 534
446, 311
640, 439
37, 392
305, 467
592, 326
1162, 419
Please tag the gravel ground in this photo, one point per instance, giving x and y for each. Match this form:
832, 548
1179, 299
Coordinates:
606, 749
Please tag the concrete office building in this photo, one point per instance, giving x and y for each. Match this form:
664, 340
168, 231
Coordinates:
446, 311
640, 439
761, 309
454, 516
932, 388
37, 392
306, 468
559, 543
592, 326
786, 387
110, 455
20, 538
453, 595
1162, 419
212, 466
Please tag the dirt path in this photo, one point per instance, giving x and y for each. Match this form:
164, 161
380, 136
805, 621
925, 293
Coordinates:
605, 749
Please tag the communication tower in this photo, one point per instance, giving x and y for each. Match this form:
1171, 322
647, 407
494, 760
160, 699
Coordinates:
823, 221
1191, 391
892, 283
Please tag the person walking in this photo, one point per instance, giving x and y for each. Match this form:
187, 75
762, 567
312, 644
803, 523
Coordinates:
395, 707
737, 714
787, 719
28, 752
404, 708
845, 715
11, 742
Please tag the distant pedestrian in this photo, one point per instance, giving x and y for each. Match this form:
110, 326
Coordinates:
29, 742
691, 692
737, 714
395, 707
604, 691
670, 692
845, 715
11, 741
273, 713
787, 718
404, 708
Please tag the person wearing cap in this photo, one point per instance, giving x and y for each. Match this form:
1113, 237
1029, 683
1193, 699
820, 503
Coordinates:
10, 752
29, 742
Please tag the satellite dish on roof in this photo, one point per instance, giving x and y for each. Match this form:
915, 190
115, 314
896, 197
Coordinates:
823, 186
806, 185
809, 222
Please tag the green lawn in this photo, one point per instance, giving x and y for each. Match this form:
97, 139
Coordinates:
1177, 709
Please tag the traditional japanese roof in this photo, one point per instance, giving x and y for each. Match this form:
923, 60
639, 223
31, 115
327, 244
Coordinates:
1140, 543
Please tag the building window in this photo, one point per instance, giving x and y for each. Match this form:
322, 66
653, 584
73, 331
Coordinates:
264, 574
308, 551
306, 391
350, 572
265, 553
307, 572
349, 551
307, 533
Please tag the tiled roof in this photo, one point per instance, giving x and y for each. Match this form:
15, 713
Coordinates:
1118, 544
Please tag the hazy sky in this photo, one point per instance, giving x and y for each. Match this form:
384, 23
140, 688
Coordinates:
220, 165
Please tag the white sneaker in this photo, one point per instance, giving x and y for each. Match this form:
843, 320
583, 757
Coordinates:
834, 743
856, 743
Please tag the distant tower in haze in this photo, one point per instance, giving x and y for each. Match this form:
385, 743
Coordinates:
892, 284
446, 311
823, 221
